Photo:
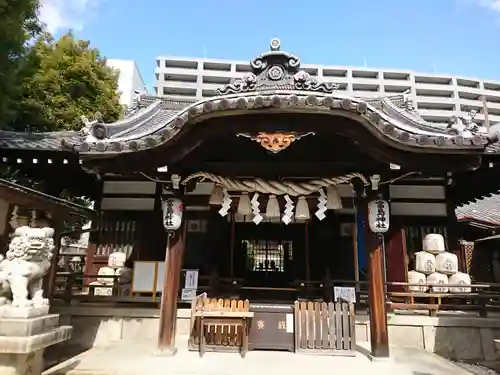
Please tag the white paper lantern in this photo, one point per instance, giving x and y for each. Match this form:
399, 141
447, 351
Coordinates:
378, 216
447, 263
415, 277
460, 278
440, 280
433, 243
425, 262
172, 213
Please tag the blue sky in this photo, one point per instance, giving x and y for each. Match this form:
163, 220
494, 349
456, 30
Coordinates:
443, 36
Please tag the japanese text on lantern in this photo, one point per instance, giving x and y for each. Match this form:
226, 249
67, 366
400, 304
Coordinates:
378, 215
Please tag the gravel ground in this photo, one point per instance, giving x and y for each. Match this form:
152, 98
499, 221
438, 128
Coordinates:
476, 369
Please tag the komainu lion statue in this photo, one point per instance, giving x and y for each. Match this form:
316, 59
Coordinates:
26, 262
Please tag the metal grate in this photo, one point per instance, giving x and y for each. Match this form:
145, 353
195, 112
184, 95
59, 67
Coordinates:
267, 255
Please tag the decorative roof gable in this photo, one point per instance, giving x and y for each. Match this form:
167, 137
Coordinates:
276, 70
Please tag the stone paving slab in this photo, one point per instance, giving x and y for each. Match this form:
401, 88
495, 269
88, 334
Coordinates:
133, 358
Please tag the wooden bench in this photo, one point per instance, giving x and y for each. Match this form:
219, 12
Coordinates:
219, 325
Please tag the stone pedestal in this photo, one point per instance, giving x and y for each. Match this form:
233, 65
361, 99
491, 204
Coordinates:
24, 334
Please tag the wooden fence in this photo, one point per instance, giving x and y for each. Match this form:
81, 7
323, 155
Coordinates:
325, 328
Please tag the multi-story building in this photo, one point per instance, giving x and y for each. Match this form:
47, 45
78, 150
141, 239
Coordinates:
130, 80
437, 97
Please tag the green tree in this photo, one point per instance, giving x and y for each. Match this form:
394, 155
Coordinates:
64, 80
18, 24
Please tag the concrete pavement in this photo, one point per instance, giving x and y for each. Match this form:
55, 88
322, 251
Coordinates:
133, 358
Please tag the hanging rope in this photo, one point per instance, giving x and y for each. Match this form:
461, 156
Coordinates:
275, 187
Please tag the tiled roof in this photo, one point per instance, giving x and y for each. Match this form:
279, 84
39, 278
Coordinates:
485, 210
51, 141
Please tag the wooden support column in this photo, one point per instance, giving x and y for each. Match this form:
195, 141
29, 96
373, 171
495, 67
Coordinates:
379, 337
51, 278
174, 255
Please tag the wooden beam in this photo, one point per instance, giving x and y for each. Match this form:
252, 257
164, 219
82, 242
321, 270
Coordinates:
379, 337
174, 255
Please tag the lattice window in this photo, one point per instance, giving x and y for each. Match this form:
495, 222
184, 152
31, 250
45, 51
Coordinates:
267, 255
116, 235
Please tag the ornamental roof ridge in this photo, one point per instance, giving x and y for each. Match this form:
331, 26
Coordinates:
276, 70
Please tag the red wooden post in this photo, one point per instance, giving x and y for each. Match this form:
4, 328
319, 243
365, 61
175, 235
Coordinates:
171, 280
379, 337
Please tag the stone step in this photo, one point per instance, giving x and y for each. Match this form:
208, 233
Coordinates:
28, 327
9, 311
28, 344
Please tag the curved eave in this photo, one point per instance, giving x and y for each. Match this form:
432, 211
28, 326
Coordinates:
389, 130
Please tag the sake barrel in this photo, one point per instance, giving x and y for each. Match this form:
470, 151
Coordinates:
425, 262
447, 263
460, 278
100, 289
433, 243
117, 259
415, 277
124, 275
105, 271
440, 281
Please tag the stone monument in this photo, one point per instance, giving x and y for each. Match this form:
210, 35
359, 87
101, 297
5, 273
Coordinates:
26, 327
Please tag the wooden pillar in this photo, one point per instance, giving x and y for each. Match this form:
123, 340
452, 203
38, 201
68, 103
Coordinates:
174, 254
379, 337
453, 228
51, 279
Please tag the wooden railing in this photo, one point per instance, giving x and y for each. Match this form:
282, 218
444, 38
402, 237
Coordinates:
483, 298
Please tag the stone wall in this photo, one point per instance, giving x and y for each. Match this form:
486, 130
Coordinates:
455, 337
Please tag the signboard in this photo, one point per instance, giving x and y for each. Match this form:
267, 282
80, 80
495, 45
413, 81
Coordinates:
347, 294
187, 295
191, 279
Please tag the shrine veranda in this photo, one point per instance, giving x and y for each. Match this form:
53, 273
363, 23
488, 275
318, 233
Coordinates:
289, 187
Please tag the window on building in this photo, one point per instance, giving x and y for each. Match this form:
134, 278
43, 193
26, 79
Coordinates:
267, 255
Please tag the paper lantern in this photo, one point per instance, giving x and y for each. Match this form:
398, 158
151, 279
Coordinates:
378, 216
172, 213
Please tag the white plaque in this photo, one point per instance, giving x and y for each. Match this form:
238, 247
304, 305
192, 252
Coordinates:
191, 281
289, 323
347, 294
188, 294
